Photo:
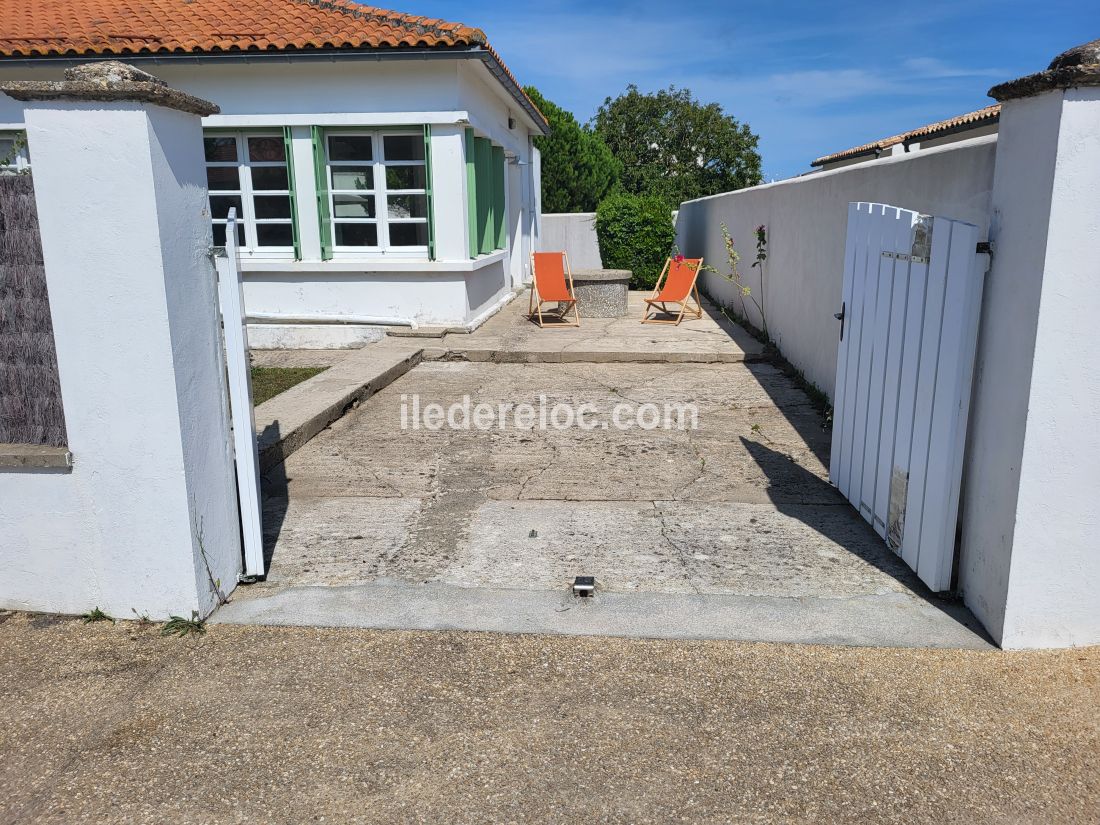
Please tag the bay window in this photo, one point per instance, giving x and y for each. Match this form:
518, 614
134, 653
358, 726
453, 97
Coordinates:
249, 170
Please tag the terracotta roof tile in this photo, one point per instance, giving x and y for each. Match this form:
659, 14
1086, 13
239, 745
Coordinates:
118, 27
74, 28
973, 120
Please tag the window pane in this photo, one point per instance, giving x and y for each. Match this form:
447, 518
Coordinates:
407, 206
350, 147
356, 234
269, 177
403, 147
267, 149
277, 206
219, 205
274, 234
220, 149
352, 178
219, 234
223, 177
7, 151
353, 206
408, 234
405, 177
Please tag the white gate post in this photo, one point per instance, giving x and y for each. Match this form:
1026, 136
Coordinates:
147, 520
1030, 564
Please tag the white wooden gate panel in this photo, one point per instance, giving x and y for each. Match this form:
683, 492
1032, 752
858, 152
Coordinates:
951, 406
912, 295
234, 328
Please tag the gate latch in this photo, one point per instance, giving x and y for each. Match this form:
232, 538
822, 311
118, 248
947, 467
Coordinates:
840, 317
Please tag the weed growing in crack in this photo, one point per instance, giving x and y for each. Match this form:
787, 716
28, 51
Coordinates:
179, 626
96, 615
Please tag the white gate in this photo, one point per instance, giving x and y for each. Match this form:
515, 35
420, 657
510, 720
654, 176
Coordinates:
909, 329
231, 301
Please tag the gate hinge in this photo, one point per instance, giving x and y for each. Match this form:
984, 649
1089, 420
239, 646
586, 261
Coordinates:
984, 248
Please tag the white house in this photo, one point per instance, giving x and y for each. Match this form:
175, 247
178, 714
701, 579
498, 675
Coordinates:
383, 163
977, 124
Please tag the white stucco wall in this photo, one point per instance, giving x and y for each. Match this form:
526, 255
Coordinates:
575, 234
448, 94
120, 190
1031, 568
806, 219
1030, 509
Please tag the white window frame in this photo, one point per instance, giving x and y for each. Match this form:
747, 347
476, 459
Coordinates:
246, 192
22, 160
381, 192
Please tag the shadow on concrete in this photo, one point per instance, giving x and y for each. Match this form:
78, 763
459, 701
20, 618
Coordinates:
785, 473
274, 496
737, 333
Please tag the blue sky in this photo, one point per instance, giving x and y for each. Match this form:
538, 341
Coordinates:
809, 77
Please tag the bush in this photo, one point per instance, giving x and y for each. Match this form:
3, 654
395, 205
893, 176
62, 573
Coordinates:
636, 233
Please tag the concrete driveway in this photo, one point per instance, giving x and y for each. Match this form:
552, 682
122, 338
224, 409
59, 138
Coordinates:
728, 529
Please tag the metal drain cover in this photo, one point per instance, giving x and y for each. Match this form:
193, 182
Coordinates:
584, 586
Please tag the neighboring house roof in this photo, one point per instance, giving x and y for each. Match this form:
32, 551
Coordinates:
149, 28
971, 120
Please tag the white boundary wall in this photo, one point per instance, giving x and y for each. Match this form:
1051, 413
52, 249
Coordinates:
806, 219
1030, 566
146, 520
574, 233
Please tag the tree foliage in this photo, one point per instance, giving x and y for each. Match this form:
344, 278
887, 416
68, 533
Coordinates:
578, 170
635, 232
672, 146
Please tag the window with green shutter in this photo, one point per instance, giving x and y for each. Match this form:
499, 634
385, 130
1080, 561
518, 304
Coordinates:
428, 191
320, 173
288, 151
500, 225
484, 195
374, 190
471, 192
485, 188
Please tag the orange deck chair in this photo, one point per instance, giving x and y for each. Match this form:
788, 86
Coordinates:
676, 285
553, 284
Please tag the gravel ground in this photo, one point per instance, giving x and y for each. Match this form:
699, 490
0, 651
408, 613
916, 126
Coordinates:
113, 723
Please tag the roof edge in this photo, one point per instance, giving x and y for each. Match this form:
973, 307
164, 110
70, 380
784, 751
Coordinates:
486, 53
951, 126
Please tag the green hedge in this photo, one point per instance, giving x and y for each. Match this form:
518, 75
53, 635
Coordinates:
635, 232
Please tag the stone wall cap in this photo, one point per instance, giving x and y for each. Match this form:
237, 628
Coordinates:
34, 457
602, 274
1079, 66
109, 81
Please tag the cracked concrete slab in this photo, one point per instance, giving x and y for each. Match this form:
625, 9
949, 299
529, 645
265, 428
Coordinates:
737, 509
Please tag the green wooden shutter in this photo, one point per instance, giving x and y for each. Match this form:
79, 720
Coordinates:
471, 192
484, 195
288, 150
320, 171
428, 190
500, 224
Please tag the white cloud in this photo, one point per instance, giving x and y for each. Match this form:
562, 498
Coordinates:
932, 67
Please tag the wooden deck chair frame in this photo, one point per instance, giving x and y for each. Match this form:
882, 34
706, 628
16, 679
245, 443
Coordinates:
534, 304
685, 310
